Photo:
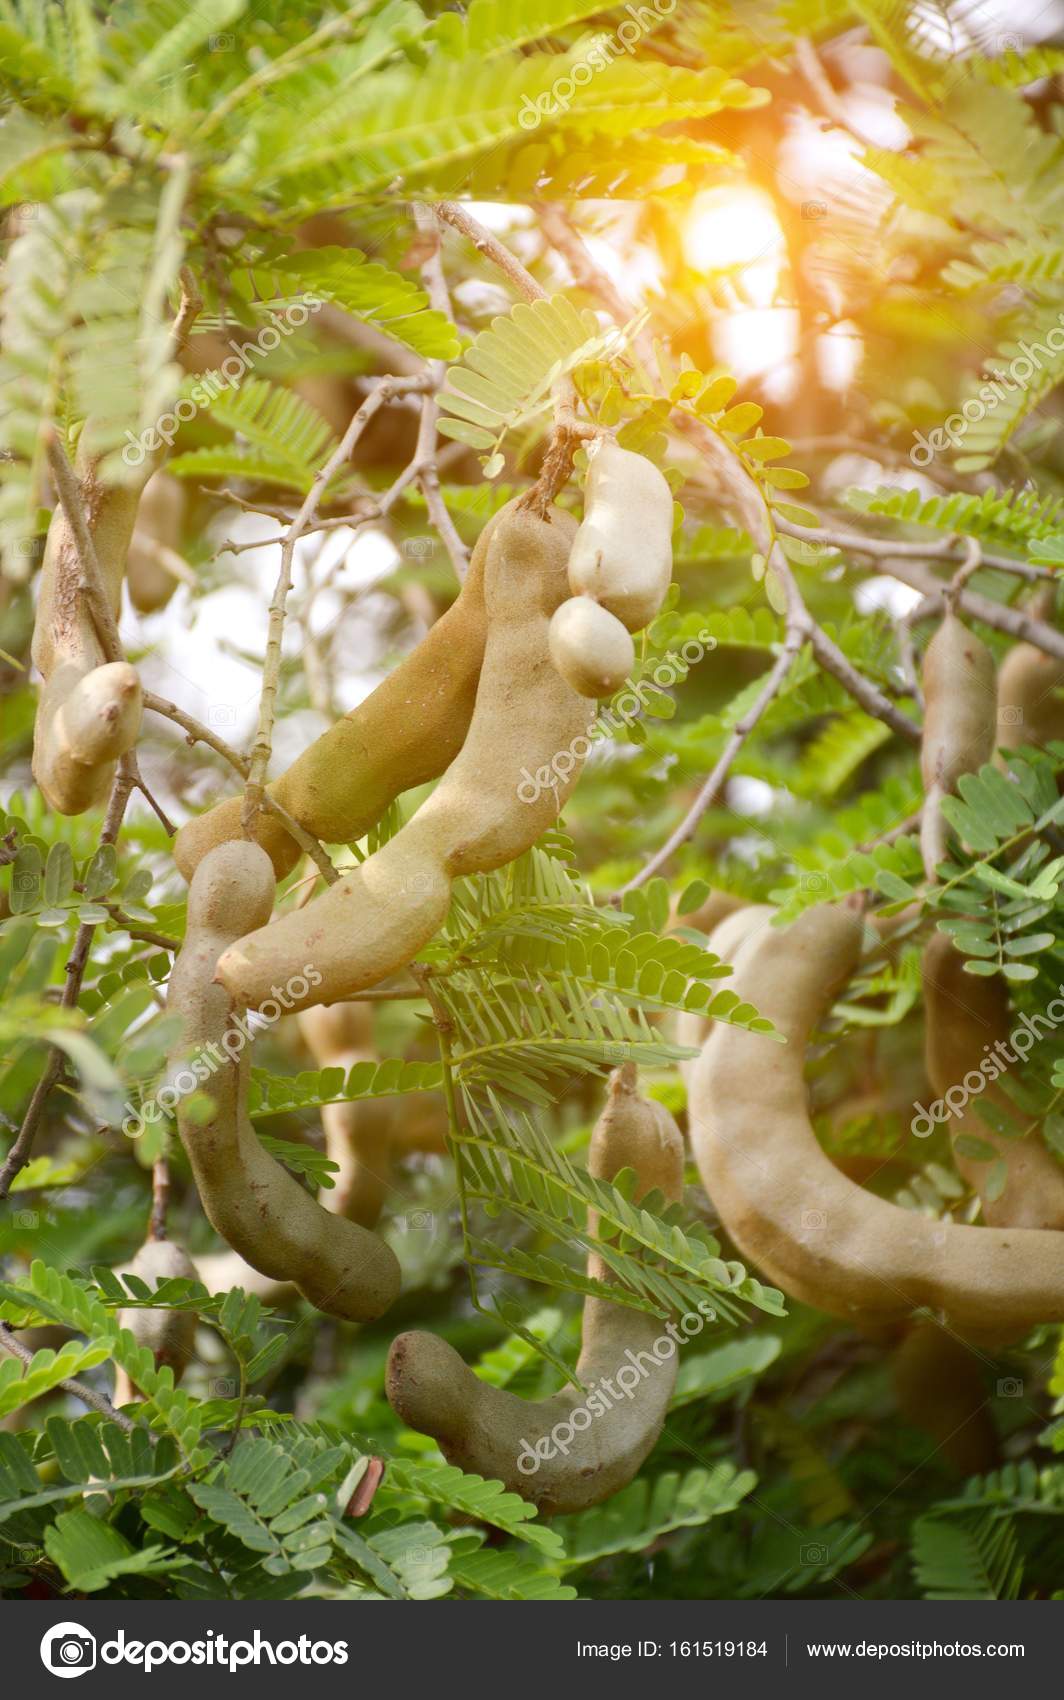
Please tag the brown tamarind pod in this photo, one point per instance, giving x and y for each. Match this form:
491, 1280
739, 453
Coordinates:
940, 1389
793, 1214
967, 1020
168, 1334
156, 534
256, 1206
735, 926
622, 553
960, 724
403, 734
498, 1435
89, 709
1028, 710
358, 1135
526, 733
590, 647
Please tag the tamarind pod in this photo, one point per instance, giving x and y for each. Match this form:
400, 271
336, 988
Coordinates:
734, 928
1027, 710
250, 1200
358, 1134
622, 556
88, 713
168, 1334
591, 649
967, 1015
791, 1212
159, 520
220, 1271
526, 719
939, 1389
960, 723
403, 734
708, 916
496, 1434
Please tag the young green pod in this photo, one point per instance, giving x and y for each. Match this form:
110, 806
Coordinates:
528, 731
592, 651
622, 555
577, 1448
254, 1204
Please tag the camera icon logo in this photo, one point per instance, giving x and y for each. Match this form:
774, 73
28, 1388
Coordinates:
68, 1649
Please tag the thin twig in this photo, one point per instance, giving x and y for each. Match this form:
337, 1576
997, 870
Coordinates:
385, 391
711, 787
425, 450
491, 248
160, 1197
87, 1395
196, 733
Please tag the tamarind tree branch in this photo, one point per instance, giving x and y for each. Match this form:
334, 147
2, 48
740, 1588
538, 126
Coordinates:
709, 792
88, 1396
19, 1155
425, 450
196, 733
384, 391
491, 248
68, 490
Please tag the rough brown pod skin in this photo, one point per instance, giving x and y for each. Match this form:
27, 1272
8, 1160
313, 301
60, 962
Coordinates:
358, 1135
793, 1214
403, 734
964, 1014
168, 1334
254, 1204
622, 553
960, 724
89, 709
735, 926
158, 526
375, 920
591, 649
486, 1429
940, 1389
1028, 710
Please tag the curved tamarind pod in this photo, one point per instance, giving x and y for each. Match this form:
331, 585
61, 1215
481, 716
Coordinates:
89, 710
158, 526
358, 1134
403, 734
1027, 710
525, 721
967, 1016
725, 941
939, 1389
791, 1212
498, 1435
249, 1199
592, 651
168, 1334
960, 724
622, 556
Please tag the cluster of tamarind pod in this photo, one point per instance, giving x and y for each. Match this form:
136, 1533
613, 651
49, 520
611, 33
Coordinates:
498, 687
